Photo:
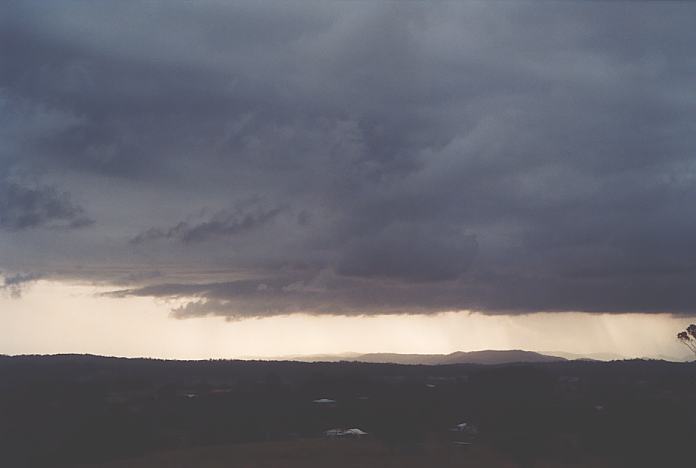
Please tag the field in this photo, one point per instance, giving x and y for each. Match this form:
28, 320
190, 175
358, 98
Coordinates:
329, 453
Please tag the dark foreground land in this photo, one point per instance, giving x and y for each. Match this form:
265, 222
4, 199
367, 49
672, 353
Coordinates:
61, 411
334, 454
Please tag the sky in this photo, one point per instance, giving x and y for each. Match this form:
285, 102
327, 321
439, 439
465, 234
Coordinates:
227, 179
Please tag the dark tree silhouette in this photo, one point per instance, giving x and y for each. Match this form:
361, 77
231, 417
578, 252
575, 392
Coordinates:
688, 337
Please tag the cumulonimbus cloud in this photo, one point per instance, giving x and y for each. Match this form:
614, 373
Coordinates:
499, 157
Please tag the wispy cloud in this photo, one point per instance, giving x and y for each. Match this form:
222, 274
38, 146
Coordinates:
13, 284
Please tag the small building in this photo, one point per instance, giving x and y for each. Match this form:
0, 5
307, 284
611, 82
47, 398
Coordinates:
465, 428
331, 433
354, 433
324, 402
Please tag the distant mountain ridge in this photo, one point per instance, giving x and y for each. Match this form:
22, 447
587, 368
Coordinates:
490, 357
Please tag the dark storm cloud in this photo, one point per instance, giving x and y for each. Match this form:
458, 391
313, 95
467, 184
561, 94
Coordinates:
323, 293
495, 156
409, 253
23, 207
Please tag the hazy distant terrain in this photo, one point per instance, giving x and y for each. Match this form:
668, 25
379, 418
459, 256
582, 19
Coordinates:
593, 356
459, 357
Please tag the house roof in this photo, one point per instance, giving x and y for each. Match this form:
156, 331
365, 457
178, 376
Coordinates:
355, 431
345, 432
324, 400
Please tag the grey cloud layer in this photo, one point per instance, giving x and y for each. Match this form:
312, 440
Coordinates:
411, 158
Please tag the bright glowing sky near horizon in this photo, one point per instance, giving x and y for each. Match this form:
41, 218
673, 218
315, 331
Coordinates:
227, 179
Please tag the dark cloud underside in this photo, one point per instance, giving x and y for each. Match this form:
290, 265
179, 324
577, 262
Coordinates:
343, 158
23, 207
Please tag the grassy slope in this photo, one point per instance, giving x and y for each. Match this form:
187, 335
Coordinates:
323, 453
